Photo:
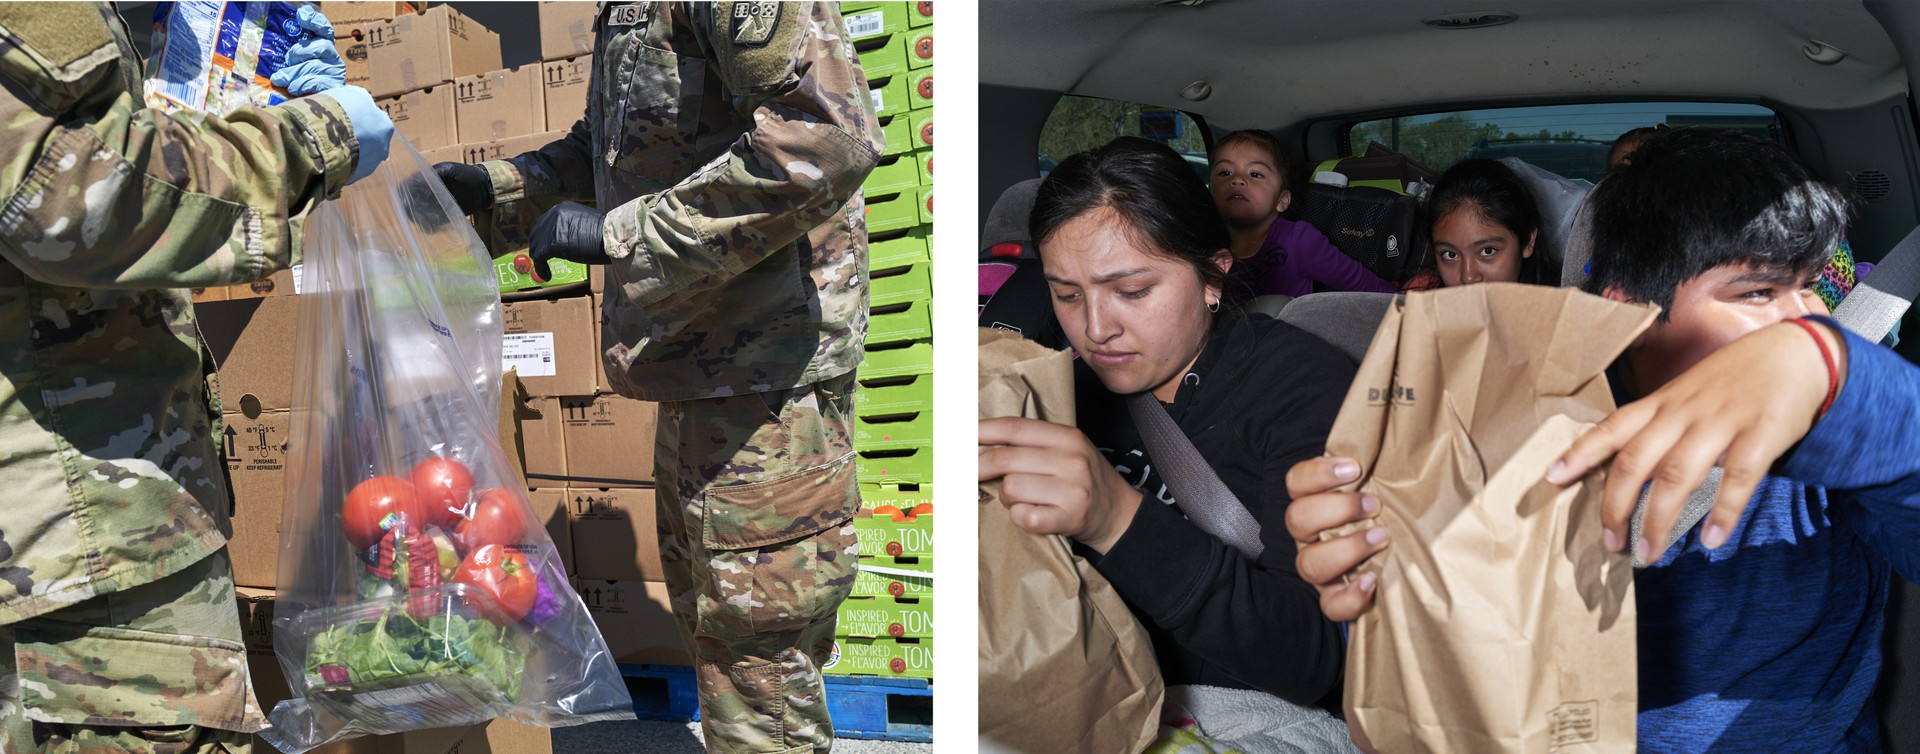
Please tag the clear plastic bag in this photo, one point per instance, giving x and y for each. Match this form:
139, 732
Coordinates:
1558, 198
418, 589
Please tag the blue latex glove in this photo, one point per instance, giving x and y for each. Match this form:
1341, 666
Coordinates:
371, 127
313, 64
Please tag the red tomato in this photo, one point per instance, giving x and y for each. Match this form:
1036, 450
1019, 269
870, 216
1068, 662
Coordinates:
923, 509
496, 520
504, 575
377, 505
443, 485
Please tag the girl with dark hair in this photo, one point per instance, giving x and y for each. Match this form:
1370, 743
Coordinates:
1252, 186
1135, 254
1485, 227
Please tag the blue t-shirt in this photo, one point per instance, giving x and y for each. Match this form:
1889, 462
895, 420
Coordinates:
1773, 641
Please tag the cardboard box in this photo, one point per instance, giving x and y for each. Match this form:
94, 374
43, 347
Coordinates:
425, 116
887, 59
920, 89
893, 432
896, 361
636, 617
888, 657
278, 284
914, 466
512, 146
903, 497
252, 344
564, 83
909, 395
897, 133
877, 580
614, 534
926, 205
923, 128
203, 295
921, 15
901, 212
428, 48
550, 507
889, 98
497, 105
919, 48
907, 322
609, 440
549, 343
255, 448
452, 153
873, 617
566, 29
884, 537
597, 288
897, 252
543, 443
924, 159
900, 286
514, 270
352, 25
893, 176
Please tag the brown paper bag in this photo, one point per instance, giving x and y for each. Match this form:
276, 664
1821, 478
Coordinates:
1064, 667
1500, 622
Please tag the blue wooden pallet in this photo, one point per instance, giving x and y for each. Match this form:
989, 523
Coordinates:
892, 709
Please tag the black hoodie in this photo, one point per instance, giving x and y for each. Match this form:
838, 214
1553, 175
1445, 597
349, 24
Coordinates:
1261, 397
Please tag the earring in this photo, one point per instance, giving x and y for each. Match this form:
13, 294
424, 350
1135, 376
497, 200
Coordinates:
1214, 307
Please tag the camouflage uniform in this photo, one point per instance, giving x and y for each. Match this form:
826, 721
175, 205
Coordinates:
727, 143
117, 619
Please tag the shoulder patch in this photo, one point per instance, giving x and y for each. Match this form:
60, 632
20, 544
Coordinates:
753, 23
62, 33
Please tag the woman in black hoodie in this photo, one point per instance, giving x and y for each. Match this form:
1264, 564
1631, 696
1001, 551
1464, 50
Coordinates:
1135, 255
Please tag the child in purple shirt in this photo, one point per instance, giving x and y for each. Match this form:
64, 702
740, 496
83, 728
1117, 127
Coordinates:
1272, 254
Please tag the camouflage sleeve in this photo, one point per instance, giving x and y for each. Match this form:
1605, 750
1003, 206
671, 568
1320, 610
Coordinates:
813, 141
97, 191
526, 185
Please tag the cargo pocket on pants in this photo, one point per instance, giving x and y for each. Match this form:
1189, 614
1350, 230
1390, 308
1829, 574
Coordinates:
72, 674
794, 536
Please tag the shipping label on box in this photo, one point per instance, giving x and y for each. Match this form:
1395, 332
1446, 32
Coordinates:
426, 116
871, 617
610, 440
877, 579
615, 535
879, 20
555, 357
564, 83
636, 617
889, 657
566, 29
498, 105
428, 48
255, 449
890, 98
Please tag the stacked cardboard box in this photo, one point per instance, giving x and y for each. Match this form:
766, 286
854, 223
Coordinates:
885, 627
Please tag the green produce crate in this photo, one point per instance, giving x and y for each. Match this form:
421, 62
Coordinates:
878, 20
910, 323
876, 580
903, 497
921, 15
901, 174
893, 433
919, 48
889, 59
897, 658
891, 97
914, 358
874, 617
896, 466
891, 400
901, 212
515, 272
901, 287
920, 90
887, 537
898, 133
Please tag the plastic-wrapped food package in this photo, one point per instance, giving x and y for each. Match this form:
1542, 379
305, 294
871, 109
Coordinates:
1558, 198
217, 56
418, 589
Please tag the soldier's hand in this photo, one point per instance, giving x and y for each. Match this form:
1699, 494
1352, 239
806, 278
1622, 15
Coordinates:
371, 127
312, 64
569, 231
470, 186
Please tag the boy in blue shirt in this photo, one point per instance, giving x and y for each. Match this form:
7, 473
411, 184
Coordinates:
1761, 626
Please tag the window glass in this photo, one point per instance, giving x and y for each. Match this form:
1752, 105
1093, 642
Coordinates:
1571, 140
1078, 124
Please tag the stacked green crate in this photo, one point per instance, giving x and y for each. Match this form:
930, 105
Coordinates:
886, 627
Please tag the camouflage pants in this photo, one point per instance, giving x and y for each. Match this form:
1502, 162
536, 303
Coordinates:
755, 503
158, 668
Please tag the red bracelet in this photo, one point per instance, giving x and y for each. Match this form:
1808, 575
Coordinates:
1833, 372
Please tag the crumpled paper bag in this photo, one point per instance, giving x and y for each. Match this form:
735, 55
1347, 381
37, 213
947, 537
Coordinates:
1064, 666
1500, 622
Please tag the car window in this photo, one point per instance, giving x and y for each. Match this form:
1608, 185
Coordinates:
1078, 124
1571, 140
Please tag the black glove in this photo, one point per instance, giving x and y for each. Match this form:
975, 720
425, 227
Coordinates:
569, 231
470, 186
